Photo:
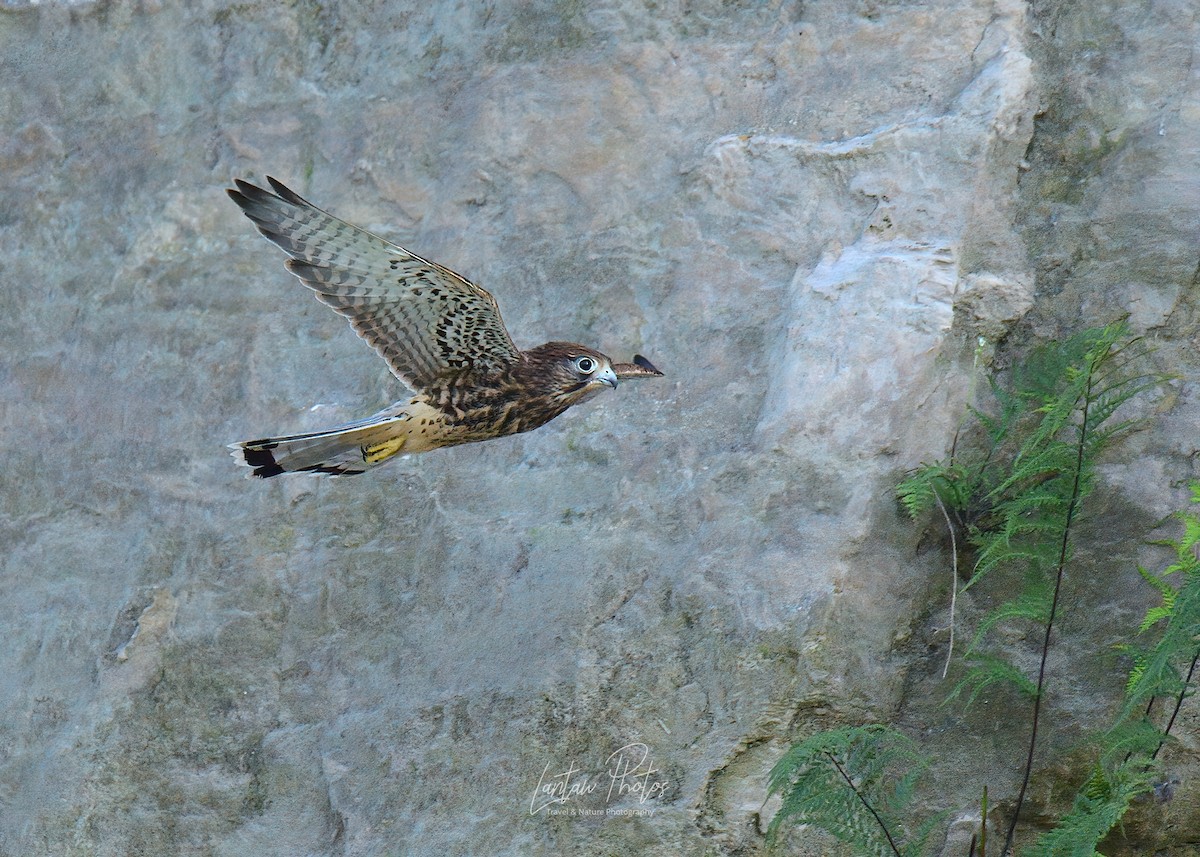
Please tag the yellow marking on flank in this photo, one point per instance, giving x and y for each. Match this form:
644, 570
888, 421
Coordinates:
381, 451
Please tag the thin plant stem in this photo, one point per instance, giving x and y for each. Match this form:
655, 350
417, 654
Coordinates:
1178, 704
865, 803
953, 580
1081, 444
983, 826
1179, 699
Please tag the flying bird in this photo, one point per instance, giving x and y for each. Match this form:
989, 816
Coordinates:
439, 333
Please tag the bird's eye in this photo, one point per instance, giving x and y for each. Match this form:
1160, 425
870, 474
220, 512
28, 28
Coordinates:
586, 365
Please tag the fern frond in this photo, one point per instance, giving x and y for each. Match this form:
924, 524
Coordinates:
1003, 550
1191, 532
1097, 809
1031, 604
1053, 459
1105, 437
1042, 504
854, 783
1157, 614
1129, 738
1138, 656
989, 670
1163, 611
1155, 675
1045, 435
1159, 581
916, 495
1010, 409
1116, 382
919, 491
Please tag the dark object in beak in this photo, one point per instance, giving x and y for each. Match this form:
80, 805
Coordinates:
639, 368
639, 360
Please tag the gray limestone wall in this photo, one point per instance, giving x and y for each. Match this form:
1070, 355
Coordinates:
824, 221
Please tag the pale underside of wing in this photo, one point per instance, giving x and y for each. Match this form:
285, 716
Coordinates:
426, 321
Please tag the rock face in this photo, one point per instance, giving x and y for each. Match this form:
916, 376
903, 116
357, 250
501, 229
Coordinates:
813, 217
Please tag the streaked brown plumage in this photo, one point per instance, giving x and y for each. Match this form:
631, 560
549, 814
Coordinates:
441, 334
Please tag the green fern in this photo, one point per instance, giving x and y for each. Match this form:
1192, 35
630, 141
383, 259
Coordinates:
1018, 505
854, 783
1032, 604
1126, 739
1163, 611
1074, 388
962, 485
1128, 750
920, 492
1159, 671
1100, 804
988, 670
1015, 505
1138, 657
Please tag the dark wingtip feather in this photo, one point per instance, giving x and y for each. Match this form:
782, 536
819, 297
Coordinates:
249, 195
285, 192
243, 202
254, 202
248, 192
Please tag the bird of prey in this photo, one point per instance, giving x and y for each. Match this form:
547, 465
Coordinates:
441, 335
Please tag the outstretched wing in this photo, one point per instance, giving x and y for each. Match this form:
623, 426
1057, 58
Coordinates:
425, 320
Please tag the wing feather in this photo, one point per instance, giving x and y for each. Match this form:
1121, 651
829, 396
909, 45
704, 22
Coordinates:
426, 321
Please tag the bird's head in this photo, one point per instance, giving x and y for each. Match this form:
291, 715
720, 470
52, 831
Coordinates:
570, 372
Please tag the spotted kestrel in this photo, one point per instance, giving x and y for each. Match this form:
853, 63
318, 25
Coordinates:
441, 335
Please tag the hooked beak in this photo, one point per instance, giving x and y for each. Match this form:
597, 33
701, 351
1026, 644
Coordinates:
607, 376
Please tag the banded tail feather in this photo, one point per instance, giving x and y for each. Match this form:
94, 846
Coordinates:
344, 451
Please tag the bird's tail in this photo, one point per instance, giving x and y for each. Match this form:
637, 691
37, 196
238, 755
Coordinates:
343, 451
